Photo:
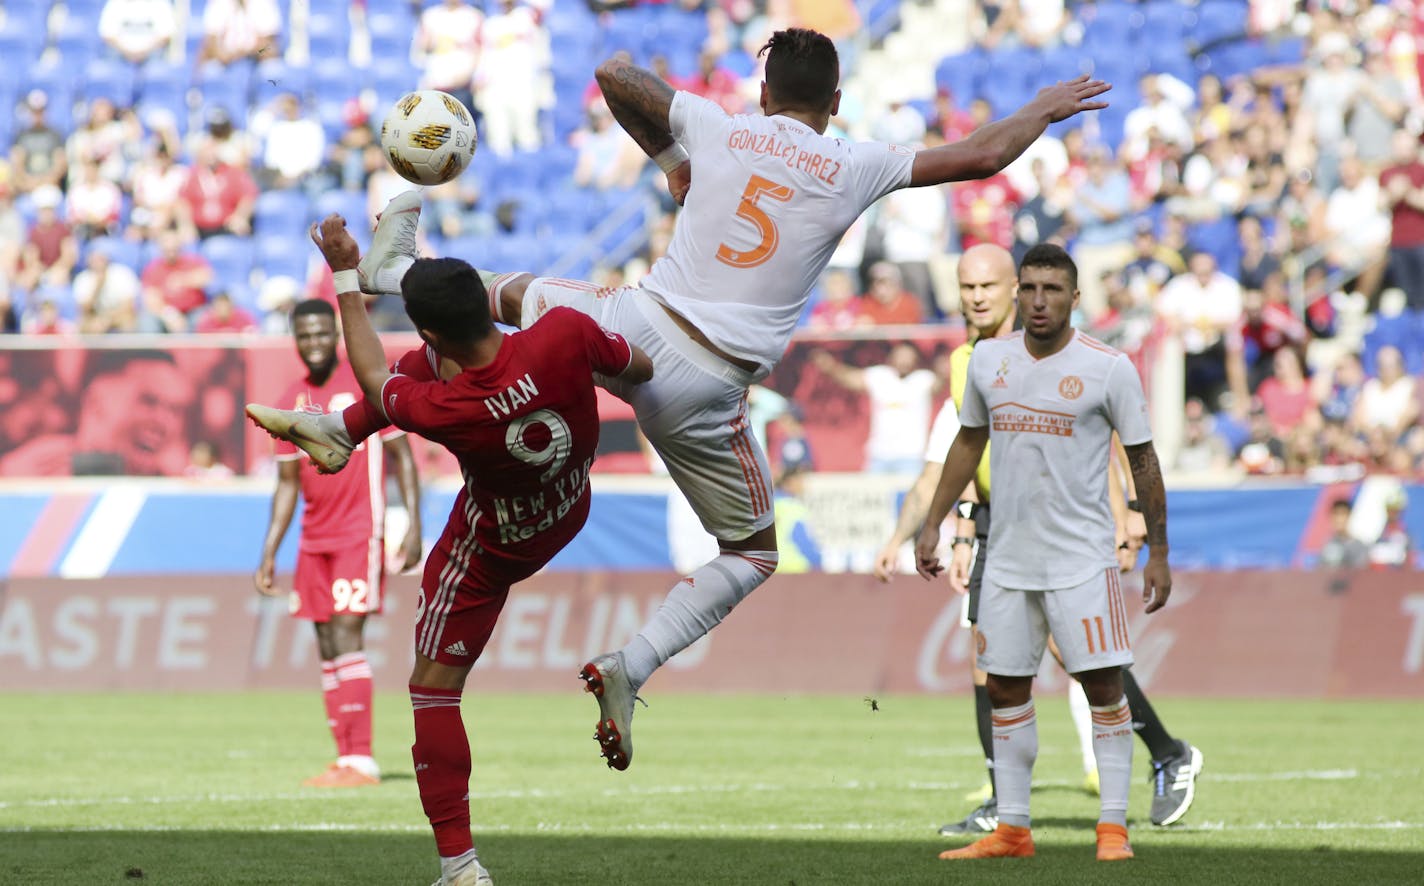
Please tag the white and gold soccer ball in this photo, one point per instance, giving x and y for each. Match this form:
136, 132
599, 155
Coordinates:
428, 137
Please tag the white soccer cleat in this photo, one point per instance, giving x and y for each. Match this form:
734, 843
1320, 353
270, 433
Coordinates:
393, 248
472, 875
301, 430
607, 678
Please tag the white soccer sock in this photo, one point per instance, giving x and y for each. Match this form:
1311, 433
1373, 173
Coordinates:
1015, 749
1083, 722
694, 606
1112, 745
334, 426
450, 868
390, 274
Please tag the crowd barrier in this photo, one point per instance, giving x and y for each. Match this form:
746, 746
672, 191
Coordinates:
1241, 634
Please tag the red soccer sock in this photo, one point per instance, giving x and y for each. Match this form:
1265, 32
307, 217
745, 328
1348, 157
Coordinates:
362, 420
442, 767
331, 693
353, 674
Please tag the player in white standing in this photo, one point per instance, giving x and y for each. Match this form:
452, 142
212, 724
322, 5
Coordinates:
1049, 399
766, 199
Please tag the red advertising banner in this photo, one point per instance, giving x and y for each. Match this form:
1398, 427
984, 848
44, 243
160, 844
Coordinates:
137, 406
1244, 634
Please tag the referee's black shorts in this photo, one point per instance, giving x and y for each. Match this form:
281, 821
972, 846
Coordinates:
981, 551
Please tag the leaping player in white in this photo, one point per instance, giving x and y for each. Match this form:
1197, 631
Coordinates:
1049, 398
767, 198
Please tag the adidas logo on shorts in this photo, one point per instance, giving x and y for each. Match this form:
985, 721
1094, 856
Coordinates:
457, 648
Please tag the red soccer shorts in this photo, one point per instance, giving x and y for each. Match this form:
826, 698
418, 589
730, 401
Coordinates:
454, 617
349, 581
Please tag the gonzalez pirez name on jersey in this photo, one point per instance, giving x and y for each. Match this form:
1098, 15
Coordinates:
810, 162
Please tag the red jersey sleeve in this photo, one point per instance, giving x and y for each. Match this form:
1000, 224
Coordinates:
414, 405
421, 364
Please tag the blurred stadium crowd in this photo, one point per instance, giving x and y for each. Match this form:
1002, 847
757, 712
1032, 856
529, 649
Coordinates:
1251, 207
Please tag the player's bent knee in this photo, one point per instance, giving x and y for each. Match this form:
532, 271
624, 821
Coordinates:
434, 675
1008, 692
1102, 686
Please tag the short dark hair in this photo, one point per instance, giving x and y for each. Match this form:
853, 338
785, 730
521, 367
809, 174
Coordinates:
315, 307
1049, 255
802, 69
447, 297
1341, 504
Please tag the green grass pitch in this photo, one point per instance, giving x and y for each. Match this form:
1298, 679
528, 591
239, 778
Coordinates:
184, 789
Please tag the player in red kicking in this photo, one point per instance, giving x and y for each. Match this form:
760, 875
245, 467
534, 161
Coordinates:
520, 414
340, 575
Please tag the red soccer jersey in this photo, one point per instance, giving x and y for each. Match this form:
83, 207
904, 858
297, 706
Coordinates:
349, 507
524, 430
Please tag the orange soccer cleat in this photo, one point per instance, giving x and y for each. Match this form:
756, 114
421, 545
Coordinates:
1112, 843
341, 777
1006, 841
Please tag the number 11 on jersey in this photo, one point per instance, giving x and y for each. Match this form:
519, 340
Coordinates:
748, 209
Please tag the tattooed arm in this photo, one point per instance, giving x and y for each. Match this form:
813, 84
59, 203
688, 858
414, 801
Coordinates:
1152, 496
640, 101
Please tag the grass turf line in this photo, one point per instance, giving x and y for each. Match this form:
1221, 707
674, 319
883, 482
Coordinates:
193, 789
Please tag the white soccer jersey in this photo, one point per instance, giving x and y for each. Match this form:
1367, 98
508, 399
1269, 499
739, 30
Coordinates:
1050, 429
770, 199
942, 432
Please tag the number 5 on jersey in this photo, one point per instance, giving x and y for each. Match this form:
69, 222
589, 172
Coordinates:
757, 187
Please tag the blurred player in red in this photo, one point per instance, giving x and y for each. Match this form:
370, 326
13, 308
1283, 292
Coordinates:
520, 414
766, 200
340, 577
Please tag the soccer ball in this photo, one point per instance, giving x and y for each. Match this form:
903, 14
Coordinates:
428, 137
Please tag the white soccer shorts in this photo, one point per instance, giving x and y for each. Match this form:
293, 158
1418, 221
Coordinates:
1089, 621
693, 412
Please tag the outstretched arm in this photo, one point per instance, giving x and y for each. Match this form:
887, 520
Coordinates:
852, 378
991, 148
363, 348
640, 101
1152, 496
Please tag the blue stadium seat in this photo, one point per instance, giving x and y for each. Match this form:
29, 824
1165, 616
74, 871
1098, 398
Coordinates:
348, 204
1110, 26
961, 74
1397, 332
1219, 238
391, 35
1063, 63
284, 256
227, 87
163, 81
1166, 21
329, 35
1172, 58
275, 77
1226, 60
334, 79
111, 79
1286, 51
284, 212
675, 29
231, 257
1219, 20
20, 44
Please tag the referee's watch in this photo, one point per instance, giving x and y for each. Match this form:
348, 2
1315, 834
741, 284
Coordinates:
961, 540
966, 510
1134, 505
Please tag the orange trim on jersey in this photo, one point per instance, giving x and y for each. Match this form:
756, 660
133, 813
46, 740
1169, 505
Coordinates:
1098, 346
573, 284
1032, 409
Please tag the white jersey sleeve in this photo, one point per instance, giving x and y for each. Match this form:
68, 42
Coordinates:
696, 122
942, 432
1127, 404
973, 412
883, 168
